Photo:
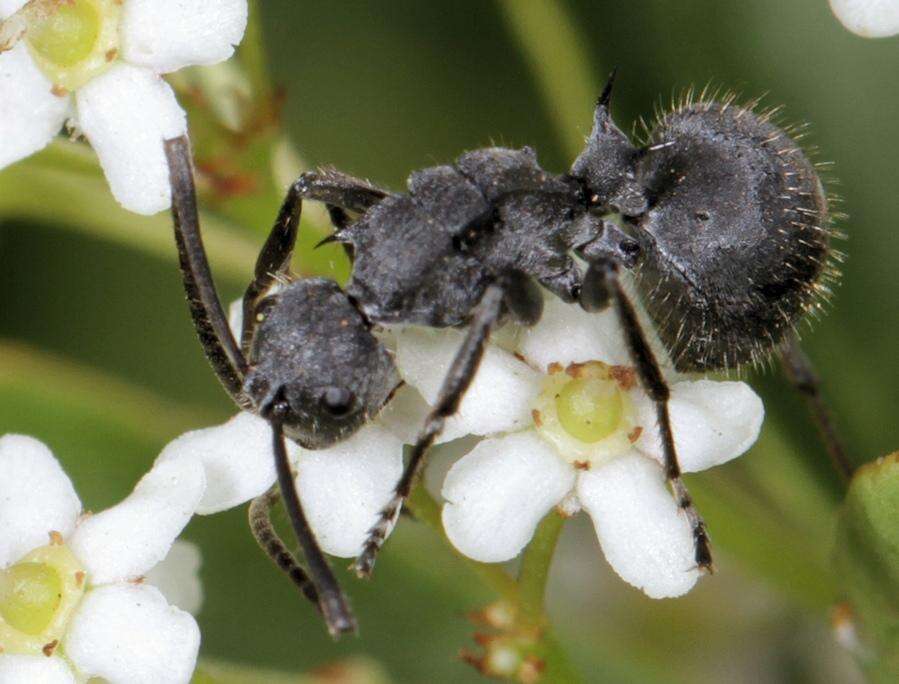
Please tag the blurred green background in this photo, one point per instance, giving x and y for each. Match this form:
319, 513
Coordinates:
99, 359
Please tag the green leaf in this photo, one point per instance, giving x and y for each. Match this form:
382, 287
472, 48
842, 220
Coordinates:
867, 559
353, 671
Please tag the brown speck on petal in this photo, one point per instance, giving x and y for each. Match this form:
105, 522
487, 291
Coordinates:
554, 368
49, 648
55, 538
538, 419
582, 465
138, 580
624, 376
58, 90
111, 54
79, 578
575, 370
634, 434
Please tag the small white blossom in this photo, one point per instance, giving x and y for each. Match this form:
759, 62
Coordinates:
868, 18
74, 603
570, 426
97, 65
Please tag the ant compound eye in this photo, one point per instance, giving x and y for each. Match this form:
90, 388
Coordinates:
337, 401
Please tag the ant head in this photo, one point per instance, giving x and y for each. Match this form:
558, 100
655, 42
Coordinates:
315, 358
606, 166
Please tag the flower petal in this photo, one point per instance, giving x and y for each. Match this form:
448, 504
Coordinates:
501, 395
126, 114
568, 334
30, 115
343, 488
36, 497
868, 18
498, 492
177, 576
644, 536
125, 541
10, 7
405, 416
128, 633
237, 457
24, 669
167, 35
713, 422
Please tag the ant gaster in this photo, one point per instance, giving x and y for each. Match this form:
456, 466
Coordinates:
723, 221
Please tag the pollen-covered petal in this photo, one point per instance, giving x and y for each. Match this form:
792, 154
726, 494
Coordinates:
644, 535
36, 497
868, 18
126, 113
237, 457
30, 114
498, 492
26, 669
167, 35
129, 634
343, 488
501, 395
177, 576
10, 7
568, 334
713, 422
125, 541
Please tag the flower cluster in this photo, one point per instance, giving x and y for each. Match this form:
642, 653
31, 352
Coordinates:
77, 598
96, 64
564, 424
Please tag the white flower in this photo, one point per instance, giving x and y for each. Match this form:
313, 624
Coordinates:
581, 434
868, 18
97, 64
73, 600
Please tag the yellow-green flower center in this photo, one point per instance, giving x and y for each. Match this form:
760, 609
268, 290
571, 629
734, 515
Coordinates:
37, 597
589, 408
586, 412
72, 41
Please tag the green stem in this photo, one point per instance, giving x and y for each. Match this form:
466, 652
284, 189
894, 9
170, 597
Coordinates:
557, 55
252, 53
535, 566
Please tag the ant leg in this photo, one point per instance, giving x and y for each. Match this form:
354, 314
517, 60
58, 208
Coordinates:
339, 189
273, 261
268, 539
456, 382
802, 376
331, 600
209, 319
654, 383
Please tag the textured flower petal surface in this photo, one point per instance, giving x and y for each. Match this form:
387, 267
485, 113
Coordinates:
8, 7
713, 422
30, 115
501, 395
567, 334
645, 537
36, 497
129, 634
126, 114
125, 541
405, 416
237, 457
24, 669
178, 577
166, 35
343, 488
868, 18
497, 493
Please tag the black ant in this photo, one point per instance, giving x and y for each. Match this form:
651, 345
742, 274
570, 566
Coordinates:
722, 219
